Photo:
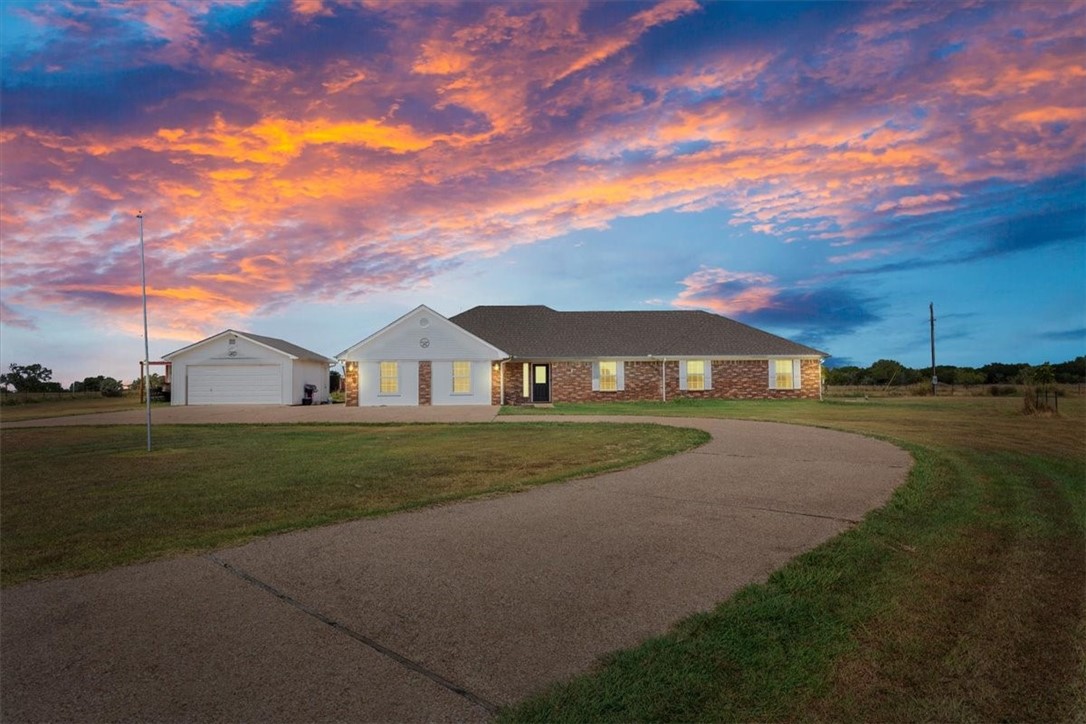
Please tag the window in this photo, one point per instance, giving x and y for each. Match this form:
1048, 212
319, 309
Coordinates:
461, 381
527, 381
390, 378
784, 374
695, 374
608, 376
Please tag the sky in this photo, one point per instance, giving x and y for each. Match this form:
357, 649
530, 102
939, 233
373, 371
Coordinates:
312, 170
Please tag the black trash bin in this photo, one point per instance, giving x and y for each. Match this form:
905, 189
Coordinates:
307, 396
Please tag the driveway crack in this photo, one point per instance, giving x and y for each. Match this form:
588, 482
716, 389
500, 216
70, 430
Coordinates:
380, 648
697, 501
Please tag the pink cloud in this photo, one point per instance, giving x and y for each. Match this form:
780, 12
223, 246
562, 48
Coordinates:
727, 292
508, 125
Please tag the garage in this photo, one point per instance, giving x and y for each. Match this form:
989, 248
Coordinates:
242, 368
235, 385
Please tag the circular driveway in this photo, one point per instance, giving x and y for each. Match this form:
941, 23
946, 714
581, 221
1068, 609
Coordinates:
443, 613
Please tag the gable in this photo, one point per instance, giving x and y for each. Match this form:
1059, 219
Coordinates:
225, 345
422, 334
245, 346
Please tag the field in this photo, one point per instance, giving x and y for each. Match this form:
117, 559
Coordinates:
19, 406
81, 499
963, 599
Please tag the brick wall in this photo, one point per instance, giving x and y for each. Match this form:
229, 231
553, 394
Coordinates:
425, 383
496, 383
731, 379
350, 383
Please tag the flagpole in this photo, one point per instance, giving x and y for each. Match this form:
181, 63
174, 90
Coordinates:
146, 343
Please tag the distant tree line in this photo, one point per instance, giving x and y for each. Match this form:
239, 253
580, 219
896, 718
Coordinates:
37, 378
887, 372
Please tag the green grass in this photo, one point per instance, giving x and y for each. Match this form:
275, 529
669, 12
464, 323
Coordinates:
80, 499
16, 407
963, 599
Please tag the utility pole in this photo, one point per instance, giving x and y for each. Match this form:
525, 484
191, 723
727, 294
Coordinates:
934, 379
146, 344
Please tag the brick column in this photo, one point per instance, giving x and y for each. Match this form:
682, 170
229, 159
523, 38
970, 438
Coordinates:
350, 383
425, 376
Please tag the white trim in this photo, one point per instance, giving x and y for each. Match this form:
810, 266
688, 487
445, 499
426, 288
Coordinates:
497, 353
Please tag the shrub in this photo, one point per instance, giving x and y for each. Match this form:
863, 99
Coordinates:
111, 388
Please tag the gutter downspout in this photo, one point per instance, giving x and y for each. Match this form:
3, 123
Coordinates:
821, 381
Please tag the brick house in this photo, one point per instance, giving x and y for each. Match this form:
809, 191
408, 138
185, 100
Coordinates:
535, 354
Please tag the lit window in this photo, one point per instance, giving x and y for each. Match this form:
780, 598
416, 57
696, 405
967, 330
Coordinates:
782, 374
390, 378
461, 382
608, 376
695, 374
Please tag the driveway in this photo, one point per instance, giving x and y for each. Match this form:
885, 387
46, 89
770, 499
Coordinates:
444, 613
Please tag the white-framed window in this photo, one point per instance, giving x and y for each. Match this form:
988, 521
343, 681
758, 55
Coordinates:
461, 378
390, 378
608, 376
695, 374
784, 374
527, 381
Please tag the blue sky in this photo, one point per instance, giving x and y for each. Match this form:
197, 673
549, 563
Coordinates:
313, 169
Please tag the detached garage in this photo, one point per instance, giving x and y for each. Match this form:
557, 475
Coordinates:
239, 368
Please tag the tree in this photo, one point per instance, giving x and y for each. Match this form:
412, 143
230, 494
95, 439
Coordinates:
110, 387
28, 378
334, 378
885, 371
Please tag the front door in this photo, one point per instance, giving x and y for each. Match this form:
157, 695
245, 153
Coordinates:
541, 383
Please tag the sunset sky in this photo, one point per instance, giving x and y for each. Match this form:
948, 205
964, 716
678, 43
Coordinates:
311, 170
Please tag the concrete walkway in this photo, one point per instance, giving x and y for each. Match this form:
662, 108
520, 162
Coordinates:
444, 613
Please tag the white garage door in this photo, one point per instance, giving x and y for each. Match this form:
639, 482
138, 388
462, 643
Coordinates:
235, 385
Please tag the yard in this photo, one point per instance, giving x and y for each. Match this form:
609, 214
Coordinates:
963, 599
81, 499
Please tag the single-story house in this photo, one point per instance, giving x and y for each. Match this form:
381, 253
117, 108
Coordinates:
516, 355
420, 359
241, 368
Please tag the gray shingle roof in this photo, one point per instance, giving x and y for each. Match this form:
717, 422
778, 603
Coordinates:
284, 346
541, 332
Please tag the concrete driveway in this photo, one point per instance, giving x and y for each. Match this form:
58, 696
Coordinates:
444, 613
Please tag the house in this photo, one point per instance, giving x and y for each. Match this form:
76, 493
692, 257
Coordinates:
421, 359
535, 354
241, 368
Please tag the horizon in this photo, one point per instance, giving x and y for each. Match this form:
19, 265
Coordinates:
312, 170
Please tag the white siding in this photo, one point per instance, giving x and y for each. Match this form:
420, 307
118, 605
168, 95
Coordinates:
441, 384
422, 335
369, 384
310, 372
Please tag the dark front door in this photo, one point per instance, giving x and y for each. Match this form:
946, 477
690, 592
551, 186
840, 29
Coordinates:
541, 383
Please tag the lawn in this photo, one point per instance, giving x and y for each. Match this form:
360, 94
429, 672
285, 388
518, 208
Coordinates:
963, 599
15, 407
80, 499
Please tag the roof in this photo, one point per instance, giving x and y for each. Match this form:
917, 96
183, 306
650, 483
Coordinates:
539, 331
283, 346
279, 345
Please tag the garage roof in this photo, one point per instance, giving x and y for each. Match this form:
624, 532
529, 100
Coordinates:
279, 345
